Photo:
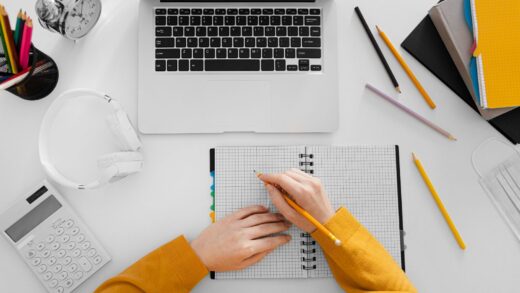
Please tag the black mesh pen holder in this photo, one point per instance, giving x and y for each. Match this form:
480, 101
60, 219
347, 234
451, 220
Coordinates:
41, 79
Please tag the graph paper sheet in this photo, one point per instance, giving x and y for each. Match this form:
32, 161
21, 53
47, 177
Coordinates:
362, 178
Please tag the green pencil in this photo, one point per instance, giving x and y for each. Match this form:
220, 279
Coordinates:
18, 31
4, 46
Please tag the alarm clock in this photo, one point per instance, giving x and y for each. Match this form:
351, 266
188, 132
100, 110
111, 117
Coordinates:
72, 19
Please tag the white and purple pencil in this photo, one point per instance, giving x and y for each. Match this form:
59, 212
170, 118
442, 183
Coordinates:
410, 112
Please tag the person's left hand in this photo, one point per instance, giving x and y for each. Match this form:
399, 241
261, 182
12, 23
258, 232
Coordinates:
240, 239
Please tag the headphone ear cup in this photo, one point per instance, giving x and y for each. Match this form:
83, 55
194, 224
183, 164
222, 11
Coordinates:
116, 166
123, 130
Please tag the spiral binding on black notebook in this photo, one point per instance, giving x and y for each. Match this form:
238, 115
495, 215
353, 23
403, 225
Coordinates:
308, 244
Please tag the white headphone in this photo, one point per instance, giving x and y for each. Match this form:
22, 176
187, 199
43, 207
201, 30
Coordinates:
114, 166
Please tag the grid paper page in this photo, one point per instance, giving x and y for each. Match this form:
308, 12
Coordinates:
236, 186
364, 180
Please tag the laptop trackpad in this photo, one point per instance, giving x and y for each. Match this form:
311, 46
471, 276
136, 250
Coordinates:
239, 105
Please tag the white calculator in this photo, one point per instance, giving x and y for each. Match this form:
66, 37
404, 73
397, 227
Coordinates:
52, 240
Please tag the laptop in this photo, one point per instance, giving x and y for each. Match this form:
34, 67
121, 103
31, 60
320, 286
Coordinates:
237, 66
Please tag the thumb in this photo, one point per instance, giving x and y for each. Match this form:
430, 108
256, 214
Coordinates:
279, 202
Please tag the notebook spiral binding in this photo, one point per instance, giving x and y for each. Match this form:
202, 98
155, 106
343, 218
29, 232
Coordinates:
308, 244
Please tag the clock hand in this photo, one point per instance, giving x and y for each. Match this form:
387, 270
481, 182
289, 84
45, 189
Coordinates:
82, 5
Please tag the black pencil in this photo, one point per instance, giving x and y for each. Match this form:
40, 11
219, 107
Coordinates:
378, 50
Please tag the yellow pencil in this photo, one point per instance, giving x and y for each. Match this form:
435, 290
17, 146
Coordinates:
406, 68
8, 37
306, 215
439, 202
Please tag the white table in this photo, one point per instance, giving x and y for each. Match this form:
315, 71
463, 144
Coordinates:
171, 195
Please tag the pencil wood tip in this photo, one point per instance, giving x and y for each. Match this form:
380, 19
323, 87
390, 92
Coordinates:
398, 89
414, 156
451, 137
378, 28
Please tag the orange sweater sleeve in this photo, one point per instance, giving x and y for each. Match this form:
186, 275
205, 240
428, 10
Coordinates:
361, 263
174, 267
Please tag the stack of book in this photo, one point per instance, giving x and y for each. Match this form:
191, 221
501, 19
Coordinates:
458, 42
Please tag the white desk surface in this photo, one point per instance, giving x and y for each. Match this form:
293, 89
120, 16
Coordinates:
171, 195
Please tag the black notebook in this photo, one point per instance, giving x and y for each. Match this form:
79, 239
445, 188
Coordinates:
425, 45
365, 179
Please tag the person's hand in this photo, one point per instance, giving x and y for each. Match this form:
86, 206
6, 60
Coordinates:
305, 190
240, 239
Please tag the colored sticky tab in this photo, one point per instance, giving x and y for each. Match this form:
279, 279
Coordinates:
495, 28
212, 217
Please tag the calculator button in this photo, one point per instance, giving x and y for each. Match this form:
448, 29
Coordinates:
77, 275
68, 224
91, 252
59, 230
67, 260
85, 245
61, 253
56, 269
76, 253
53, 283
97, 260
30, 254
72, 268
36, 261
47, 276
40, 246
74, 231
85, 264
62, 275
59, 290
68, 283
80, 238
49, 238
46, 253
42, 268
51, 261
64, 238
70, 245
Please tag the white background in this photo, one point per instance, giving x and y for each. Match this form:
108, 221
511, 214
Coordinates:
171, 194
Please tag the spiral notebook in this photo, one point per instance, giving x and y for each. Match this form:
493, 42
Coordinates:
365, 179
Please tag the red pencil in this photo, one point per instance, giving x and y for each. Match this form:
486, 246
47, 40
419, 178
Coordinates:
25, 48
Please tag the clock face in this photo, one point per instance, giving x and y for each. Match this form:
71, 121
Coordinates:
81, 18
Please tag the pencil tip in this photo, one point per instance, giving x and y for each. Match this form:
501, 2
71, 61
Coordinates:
378, 28
398, 89
451, 137
337, 242
414, 156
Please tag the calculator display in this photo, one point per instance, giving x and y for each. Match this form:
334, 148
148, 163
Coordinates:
37, 215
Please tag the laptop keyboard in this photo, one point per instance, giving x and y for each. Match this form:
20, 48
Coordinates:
238, 39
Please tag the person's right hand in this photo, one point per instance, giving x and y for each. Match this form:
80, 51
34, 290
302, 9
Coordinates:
305, 190
240, 239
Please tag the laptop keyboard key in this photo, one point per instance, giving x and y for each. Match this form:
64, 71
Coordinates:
247, 31
280, 65
167, 53
296, 42
220, 11
267, 65
281, 31
315, 67
243, 53
256, 11
160, 11
267, 53
209, 53
303, 64
200, 31
203, 42
252, 20
312, 20
279, 53
261, 42
186, 53
232, 11
195, 20
215, 42
232, 65
279, 11
208, 11
207, 20
292, 67
189, 31
160, 65
292, 31
290, 53
171, 65
184, 20
160, 20
241, 20
267, 11
272, 42
192, 42
311, 42
229, 20
298, 20
276, 20
232, 53
185, 11
223, 31
250, 42
164, 42
258, 31
221, 54
173, 11
238, 42
180, 42
286, 20
196, 65
270, 31
177, 31
235, 31
227, 42
256, 53
172, 20
163, 31
315, 11
309, 53
218, 20
303, 11
243, 11
264, 20
184, 65
198, 53
196, 11
315, 31
212, 31
304, 31
284, 42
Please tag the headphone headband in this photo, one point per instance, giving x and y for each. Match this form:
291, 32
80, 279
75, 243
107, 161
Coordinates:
49, 168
